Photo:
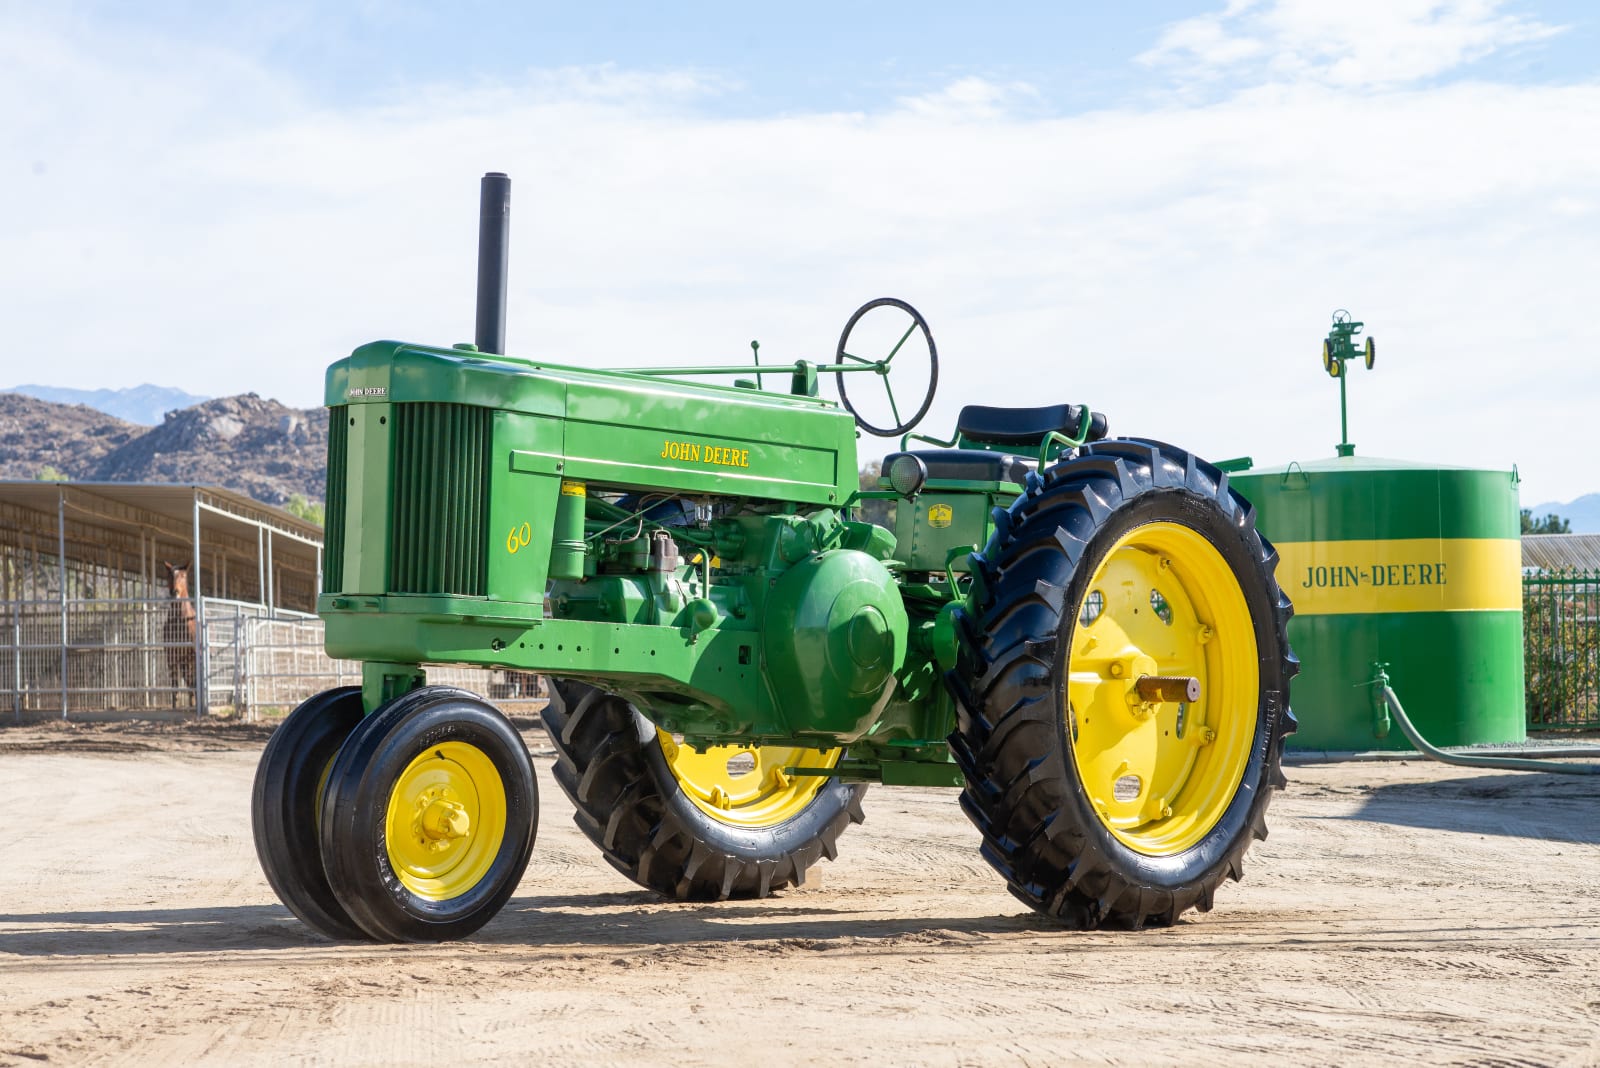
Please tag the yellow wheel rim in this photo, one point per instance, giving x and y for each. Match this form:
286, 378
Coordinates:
747, 786
446, 820
1160, 774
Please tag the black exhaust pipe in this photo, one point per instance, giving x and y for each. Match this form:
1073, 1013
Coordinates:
494, 231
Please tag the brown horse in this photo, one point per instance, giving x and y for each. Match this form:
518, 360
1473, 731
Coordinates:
177, 633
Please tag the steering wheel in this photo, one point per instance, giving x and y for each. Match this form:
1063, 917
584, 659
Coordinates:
883, 330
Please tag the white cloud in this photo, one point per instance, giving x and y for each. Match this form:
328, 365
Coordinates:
969, 99
1352, 43
202, 225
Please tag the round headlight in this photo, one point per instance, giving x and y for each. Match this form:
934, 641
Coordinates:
907, 474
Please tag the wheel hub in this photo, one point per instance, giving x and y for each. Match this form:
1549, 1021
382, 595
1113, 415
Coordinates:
442, 821
1161, 668
447, 814
747, 786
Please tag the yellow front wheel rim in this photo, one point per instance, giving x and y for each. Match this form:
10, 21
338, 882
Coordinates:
1160, 775
747, 786
446, 820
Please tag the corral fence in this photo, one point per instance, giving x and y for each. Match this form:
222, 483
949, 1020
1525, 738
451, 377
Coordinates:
1561, 642
105, 658
284, 664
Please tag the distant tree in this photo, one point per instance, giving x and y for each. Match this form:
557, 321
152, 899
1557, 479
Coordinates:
879, 512
310, 511
1550, 524
50, 474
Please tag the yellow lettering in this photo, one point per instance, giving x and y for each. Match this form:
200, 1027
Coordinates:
519, 538
705, 453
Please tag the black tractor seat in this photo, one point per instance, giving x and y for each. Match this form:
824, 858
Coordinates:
1025, 426
968, 465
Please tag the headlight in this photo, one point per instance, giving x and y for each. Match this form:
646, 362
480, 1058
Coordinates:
907, 474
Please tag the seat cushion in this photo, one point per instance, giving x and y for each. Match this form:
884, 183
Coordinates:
1025, 426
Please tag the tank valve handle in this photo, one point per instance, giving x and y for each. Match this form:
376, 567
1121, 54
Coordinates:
1380, 703
1175, 688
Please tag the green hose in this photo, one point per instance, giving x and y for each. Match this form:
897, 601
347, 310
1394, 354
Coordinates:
1475, 760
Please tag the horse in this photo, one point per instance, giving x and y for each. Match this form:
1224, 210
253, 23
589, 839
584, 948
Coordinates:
177, 633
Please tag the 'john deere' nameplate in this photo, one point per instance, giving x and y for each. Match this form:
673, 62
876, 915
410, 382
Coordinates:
688, 461
704, 452
1404, 575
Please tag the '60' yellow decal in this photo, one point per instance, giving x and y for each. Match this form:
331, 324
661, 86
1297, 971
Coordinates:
519, 538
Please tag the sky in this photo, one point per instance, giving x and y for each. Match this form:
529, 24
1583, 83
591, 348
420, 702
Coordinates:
1150, 208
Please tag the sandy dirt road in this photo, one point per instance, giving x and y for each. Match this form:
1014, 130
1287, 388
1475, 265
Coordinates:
1399, 913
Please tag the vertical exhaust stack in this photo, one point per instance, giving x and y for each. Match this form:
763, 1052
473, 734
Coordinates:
494, 229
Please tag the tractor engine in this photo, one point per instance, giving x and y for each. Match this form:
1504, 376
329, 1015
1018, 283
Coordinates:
821, 617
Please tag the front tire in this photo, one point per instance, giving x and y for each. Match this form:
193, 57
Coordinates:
1097, 805
674, 821
428, 817
286, 805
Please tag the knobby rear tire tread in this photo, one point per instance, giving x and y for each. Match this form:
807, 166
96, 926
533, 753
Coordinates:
1010, 738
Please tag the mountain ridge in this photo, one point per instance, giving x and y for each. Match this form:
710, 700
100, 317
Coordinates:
144, 404
1583, 513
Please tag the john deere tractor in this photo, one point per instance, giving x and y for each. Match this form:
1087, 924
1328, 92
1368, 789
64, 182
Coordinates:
1081, 633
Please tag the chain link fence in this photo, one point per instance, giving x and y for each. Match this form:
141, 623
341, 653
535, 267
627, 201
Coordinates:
1561, 642
96, 659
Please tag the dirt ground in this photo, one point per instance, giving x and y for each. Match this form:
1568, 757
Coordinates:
1399, 912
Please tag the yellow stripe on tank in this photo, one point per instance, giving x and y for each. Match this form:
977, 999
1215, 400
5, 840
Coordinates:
1325, 578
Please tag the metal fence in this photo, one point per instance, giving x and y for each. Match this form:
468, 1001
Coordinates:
83, 655
284, 664
97, 658
1561, 636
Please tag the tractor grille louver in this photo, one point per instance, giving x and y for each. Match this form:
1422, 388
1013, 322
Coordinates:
334, 498
440, 501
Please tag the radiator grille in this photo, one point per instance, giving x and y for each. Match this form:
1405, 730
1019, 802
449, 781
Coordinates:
440, 499
333, 547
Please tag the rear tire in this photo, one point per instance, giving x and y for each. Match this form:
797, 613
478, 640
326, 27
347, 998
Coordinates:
631, 803
1096, 808
428, 817
285, 804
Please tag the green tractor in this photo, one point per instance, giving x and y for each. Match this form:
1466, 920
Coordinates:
1081, 633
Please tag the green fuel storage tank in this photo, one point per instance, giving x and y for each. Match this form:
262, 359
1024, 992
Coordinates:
1417, 566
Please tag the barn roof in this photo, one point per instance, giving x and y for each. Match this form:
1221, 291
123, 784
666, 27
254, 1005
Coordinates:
109, 501
1561, 552
242, 550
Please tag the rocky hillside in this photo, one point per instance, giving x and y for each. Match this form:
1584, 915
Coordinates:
72, 438
253, 446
